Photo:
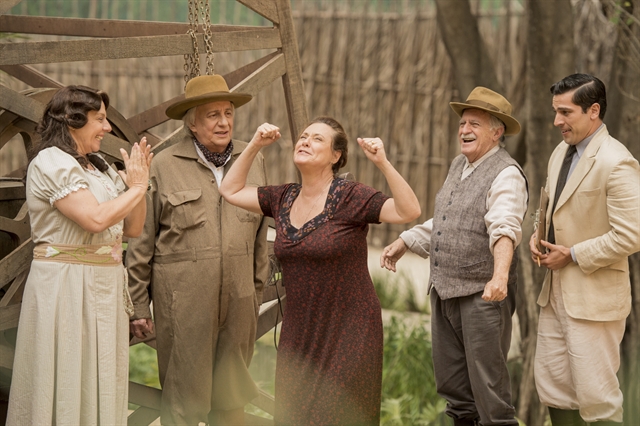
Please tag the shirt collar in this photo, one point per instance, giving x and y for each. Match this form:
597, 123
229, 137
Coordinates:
479, 161
582, 145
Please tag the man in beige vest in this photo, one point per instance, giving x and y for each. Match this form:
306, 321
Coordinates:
471, 243
593, 225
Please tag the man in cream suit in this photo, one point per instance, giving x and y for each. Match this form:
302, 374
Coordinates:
593, 225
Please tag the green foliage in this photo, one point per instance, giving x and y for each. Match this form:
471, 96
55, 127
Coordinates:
409, 394
398, 293
143, 365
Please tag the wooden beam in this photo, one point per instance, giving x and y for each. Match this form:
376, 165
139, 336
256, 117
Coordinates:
15, 262
265, 402
18, 282
30, 76
234, 77
267, 319
143, 416
131, 47
12, 190
6, 357
262, 77
20, 104
81, 27
156, 115
264, 8
9, 316
145, 396
292, 81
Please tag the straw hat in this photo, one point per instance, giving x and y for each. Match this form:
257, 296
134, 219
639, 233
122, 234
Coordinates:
202, 90
491, 102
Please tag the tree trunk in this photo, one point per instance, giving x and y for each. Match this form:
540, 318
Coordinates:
469, 55
623, 122
550, 57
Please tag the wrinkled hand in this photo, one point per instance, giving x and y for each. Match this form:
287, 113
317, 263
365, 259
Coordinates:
141, 328
495, 290
373, 148
392, 253
136, 173
265, 135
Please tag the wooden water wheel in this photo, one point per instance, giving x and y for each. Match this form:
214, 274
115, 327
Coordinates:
98, 39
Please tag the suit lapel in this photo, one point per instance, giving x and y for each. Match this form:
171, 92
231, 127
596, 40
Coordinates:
582, 168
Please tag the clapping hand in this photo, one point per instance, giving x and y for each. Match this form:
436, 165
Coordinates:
137, 164
265, 135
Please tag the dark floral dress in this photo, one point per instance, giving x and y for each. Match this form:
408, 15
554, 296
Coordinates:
329, 367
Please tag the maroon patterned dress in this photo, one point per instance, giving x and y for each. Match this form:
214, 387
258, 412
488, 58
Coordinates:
329, 367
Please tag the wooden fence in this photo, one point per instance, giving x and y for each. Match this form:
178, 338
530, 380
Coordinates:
378, 67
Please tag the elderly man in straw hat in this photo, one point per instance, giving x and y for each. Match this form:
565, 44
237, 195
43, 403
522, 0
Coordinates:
203, 263
471, 243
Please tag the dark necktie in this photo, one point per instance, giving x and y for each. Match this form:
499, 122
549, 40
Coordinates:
562, 180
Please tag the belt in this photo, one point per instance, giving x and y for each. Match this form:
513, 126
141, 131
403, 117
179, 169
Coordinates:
83, 254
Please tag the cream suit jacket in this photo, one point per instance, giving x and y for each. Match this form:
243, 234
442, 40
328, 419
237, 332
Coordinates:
598, 214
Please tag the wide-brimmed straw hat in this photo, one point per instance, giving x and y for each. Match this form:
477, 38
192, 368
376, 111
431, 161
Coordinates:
491, 102
202, 90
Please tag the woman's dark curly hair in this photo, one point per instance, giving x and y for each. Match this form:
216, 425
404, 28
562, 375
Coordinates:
69, 108
340, 140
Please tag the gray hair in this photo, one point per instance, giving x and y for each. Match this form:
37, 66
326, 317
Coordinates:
496, 123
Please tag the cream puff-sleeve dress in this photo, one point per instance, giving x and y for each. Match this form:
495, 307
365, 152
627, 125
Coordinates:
71, 361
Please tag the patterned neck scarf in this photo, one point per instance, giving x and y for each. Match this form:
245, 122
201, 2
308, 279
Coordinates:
217, 158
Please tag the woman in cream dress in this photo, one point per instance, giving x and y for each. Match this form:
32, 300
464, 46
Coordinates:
71, 360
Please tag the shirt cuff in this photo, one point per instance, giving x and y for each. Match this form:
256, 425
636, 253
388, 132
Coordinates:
573, 256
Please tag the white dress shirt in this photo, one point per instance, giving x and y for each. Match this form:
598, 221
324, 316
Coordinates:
506, 203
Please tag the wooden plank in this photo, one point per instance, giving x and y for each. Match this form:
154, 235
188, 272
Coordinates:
9, 316
292, 80
156, 115
18, 226
262, 77
132, 47
264, 8
12, 189
234, 77
6, 5
13, 289
20, 104
145, 396
252, 420
6, 357
15, 262
81, 27
122, 125
264, 401
267, 319
111, 146
143, 416
30, 76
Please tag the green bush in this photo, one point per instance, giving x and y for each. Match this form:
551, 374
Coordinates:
409, 394
143, 365
398, 294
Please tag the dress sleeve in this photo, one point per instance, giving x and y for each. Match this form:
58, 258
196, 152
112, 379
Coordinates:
54, 174
271, 199
363, 202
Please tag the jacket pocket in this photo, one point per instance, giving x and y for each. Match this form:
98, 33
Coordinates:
187, 210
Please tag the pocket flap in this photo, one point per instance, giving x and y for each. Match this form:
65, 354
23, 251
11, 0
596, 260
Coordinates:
182, 197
